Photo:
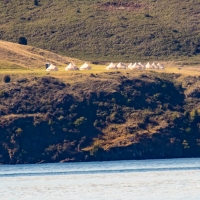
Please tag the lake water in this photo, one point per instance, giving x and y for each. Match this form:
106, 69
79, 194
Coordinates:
170, 179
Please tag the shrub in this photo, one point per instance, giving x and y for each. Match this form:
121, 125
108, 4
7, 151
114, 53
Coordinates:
95, 124
95, 148
164, 86
80, 121
147, 15
61, 118
188, 130
19, 130
113, 100
194, 114
6, 78
1, 94
23, 41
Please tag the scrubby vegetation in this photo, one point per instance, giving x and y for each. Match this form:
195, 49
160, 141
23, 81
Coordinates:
105, 30
105, 116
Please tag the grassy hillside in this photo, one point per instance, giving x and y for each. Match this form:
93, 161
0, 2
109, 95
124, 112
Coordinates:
15, 57
106, 30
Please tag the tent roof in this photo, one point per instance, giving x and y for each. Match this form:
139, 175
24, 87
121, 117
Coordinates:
52, 68
148, 66
160, 66
85, 66
136, 66
155, 66
141, 65
121, 66
130, 65
111, 66
71, 66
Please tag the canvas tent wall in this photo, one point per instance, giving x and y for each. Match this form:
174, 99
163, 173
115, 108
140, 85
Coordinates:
71, 66
121, 66
85, 66
161, 66
52, 68
148, 66
136, 66
130, 66
155, 66
111, 66
141, 65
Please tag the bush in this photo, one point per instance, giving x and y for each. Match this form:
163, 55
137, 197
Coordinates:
19, 130
6, 78
194, 114
23, 41
80, 121
147, 15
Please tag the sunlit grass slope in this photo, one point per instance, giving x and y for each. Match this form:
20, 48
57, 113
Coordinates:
20, 57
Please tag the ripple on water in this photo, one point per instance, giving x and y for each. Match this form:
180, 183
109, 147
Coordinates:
175, 179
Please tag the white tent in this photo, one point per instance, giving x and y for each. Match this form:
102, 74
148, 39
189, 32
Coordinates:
52, 68
71, 66
155, 66
141, 65
160, 66
133, 66
148, 66
85, 66
121, 66
111, 66
136, 66
130, 65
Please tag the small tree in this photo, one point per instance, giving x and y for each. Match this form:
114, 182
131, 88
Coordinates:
6, 78
22, 40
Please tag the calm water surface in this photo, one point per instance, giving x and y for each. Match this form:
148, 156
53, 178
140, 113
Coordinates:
170, 179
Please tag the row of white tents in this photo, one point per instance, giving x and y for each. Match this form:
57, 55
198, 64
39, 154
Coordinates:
111, 66
135, 66
70, 67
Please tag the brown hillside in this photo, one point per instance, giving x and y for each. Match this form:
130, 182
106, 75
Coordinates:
27, 56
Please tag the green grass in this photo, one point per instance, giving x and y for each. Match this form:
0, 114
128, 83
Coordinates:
84, 29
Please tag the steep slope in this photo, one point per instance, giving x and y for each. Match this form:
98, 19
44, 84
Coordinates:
107, 116
17, 56
105, 30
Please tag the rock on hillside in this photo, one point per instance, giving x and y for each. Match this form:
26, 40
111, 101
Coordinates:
107, 116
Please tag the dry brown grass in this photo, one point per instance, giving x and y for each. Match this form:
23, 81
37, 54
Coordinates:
12, 54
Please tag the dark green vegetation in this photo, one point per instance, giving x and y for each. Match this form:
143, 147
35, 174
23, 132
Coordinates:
103, 116
6, 78
23, 41
105, 30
